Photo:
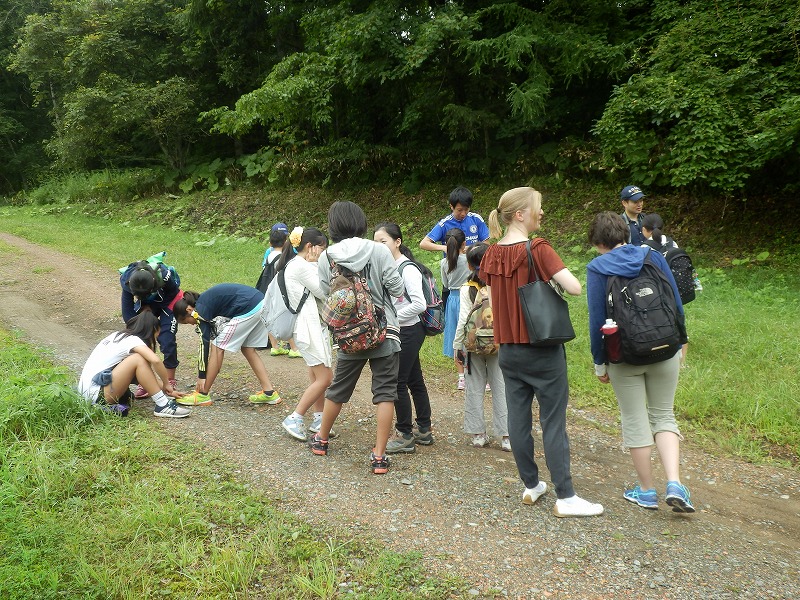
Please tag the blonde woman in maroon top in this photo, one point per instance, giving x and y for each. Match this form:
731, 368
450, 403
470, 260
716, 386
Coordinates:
529, 370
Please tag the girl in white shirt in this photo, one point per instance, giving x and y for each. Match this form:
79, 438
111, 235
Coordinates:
412, 335
310, 333
125, 357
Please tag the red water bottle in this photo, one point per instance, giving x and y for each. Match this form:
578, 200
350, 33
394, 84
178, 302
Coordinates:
612, 341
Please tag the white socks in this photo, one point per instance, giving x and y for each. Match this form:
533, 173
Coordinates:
160, 398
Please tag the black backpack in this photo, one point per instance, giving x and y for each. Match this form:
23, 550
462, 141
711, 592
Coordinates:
267, 275
650, 327
681, 266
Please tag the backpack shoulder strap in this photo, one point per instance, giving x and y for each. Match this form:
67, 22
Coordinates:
402, 266
652, 244
473, 290
285, 294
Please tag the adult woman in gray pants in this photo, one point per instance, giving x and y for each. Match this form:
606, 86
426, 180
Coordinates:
527, 369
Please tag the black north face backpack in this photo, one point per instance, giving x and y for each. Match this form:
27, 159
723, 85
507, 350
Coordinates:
651, 328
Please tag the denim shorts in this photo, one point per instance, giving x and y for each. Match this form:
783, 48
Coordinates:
103, 378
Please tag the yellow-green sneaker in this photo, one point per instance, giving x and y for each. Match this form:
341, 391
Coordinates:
195, 399
294, 354
278, 351
262, 398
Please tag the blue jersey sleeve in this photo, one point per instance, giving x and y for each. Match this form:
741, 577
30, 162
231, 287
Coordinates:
437, 233
483, 230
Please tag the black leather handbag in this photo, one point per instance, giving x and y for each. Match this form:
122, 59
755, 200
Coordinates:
546, 313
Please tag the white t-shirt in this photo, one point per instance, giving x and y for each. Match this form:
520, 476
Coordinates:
106, 355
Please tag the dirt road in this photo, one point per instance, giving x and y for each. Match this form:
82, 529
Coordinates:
457, 505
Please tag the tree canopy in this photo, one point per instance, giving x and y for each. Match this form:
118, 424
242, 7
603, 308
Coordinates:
684, 94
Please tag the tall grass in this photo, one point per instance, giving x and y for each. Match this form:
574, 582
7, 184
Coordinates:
97, 187
740, 391
95, 506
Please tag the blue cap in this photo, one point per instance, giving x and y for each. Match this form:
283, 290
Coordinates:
280, 227
631, 192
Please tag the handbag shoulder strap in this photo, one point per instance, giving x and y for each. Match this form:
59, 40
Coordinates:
531, 263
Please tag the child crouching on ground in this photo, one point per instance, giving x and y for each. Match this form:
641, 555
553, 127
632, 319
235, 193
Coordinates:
125, 357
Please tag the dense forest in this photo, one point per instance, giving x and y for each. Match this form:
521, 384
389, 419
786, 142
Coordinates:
682, 94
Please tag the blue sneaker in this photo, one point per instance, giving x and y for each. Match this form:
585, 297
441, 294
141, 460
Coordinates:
678, 497
644, 498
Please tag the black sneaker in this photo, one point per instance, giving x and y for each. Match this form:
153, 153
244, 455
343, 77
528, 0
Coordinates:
379, 464
318, 446
423, 436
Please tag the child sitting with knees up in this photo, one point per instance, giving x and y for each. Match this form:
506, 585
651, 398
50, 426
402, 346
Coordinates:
125, 357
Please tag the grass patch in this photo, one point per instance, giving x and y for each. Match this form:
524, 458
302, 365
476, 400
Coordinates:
740, 392
95, 506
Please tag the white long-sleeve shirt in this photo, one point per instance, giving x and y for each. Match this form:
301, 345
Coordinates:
412, 303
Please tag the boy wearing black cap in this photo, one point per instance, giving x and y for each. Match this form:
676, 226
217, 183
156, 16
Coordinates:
633, 202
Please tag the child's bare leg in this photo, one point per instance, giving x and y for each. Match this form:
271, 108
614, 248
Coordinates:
385, 412
329, 416
255, 362
134, 366
321, 377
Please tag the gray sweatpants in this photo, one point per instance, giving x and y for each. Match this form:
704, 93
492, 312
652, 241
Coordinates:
529, 370
481, 369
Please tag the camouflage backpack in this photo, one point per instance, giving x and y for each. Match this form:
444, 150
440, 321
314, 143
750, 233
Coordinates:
479, 328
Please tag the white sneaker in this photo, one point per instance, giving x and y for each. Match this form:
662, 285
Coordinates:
479, 440
505, 445
316, 425
531, 495
295, 427
576, 507
172, 411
